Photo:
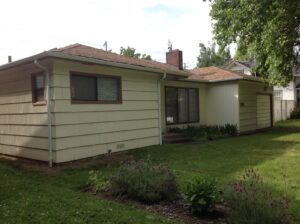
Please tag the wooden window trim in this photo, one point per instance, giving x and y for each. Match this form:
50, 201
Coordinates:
33, 90
177, 106
119, 83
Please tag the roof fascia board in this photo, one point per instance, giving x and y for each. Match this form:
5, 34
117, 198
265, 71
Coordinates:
59, 55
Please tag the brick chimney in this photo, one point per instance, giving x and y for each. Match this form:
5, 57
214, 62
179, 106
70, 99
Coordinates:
174, 57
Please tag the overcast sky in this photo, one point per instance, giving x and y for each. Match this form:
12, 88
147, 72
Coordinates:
32, 26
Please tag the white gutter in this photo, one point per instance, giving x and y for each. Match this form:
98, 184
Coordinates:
159, 105
49, 105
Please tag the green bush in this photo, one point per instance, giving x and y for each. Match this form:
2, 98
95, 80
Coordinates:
98, 181
206, 131
250, 201
144, 181
295, 114
201, 195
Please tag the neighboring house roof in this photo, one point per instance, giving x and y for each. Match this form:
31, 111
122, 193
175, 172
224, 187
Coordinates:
215, 74
79, 52
247, 64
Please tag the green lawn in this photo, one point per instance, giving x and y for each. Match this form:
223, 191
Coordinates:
288, 123
32, 197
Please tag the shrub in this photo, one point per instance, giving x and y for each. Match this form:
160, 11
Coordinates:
230, 129
207, 131
98, 181
144, 181
250, 201
295, 114
201, 195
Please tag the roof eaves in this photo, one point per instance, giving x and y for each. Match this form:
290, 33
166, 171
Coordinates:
59, 55
24, 61
225, 80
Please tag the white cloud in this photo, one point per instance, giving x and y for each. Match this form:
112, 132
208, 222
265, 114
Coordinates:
32, 26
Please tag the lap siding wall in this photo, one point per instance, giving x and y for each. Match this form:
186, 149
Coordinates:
23, 127
248, 103
86, 130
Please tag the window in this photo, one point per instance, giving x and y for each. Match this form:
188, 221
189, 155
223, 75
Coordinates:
277, 94
95, 88
38, 88
182, 105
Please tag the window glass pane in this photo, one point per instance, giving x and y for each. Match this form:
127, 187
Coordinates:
107, 89
83, 88
39, 95
183, 105
39, 81
193, 105
171, 105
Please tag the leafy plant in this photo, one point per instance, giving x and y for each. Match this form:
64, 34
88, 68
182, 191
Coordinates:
295, 114
248, 24
144, 181
98, 181
201, 195
250, 201
206, 131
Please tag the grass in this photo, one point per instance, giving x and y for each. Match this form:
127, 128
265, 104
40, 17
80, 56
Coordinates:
33, 197
288, 123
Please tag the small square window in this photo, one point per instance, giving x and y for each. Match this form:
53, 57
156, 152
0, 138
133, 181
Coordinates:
38, 88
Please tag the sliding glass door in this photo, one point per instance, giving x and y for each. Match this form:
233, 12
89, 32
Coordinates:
182, 105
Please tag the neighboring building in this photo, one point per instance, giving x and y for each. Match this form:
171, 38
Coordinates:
96, 101
285, 98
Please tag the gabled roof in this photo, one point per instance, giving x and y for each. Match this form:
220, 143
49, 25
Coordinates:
91, 52
246, 64
215, 74
83, 53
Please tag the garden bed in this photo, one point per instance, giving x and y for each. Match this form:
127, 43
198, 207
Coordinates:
174, 211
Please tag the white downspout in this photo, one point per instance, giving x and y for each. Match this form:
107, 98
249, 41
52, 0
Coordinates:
49, 105
159, 106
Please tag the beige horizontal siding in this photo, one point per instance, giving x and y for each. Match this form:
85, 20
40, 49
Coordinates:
98, 139
24, 152
66, 106
248, 97
63, 93
106, 127
16, 86
19, 97
84, 130
94, 150
23, 127
64, 67
24, 141
24, 119
22, 108
28, 130
96, 117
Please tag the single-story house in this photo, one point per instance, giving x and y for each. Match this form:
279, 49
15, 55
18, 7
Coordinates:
77, 102
286, 99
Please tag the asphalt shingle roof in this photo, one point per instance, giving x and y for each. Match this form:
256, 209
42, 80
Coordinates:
95, 53
214, 74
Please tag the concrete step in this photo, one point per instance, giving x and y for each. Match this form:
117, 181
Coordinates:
170, 138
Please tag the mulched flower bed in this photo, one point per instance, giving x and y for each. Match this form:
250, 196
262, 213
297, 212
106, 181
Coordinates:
173, 211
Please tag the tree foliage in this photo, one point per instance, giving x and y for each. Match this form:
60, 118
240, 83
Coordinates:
210, 57
131, 52
268, 30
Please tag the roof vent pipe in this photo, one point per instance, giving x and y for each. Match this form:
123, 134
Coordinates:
9, 59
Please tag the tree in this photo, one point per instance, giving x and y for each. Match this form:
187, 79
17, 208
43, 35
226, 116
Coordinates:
130, 52
268, 30
209, 57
